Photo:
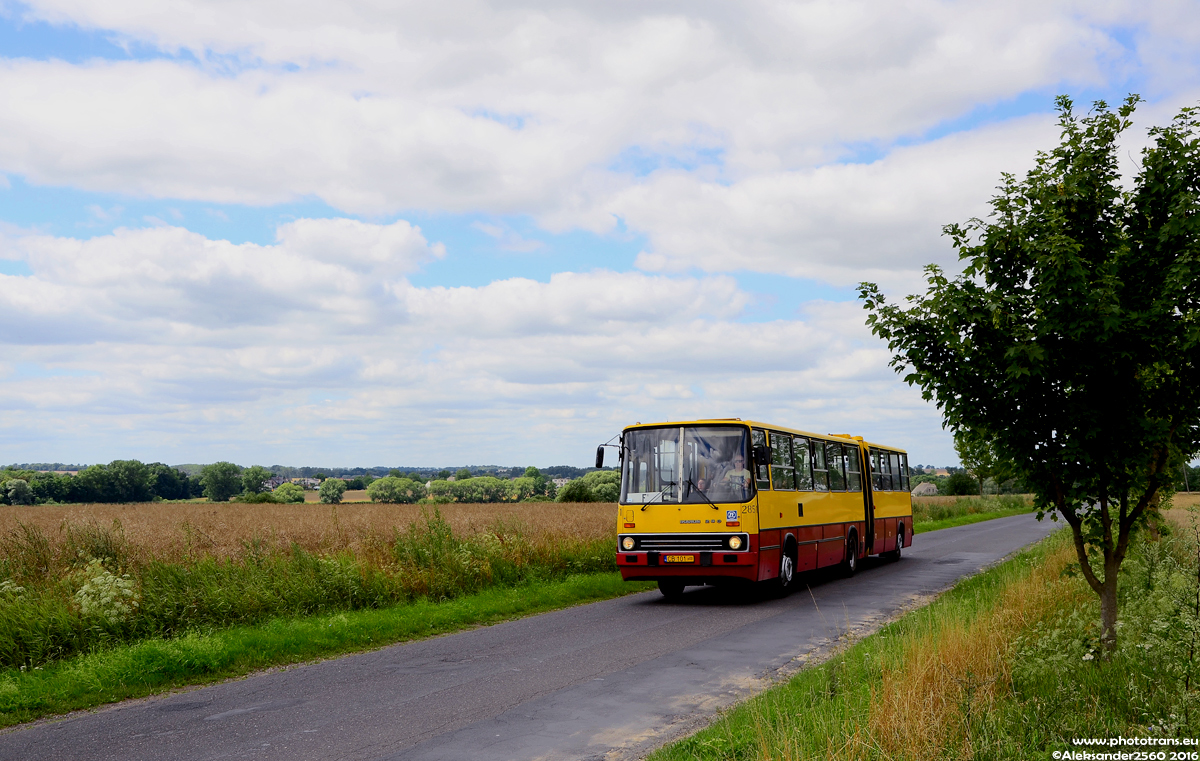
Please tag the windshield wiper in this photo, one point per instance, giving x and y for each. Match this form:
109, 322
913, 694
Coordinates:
661, 492
702, 494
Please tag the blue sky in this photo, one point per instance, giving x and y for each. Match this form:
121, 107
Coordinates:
325, 232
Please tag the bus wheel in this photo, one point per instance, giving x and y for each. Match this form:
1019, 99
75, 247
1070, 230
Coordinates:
850, 563
895, 554
671, 590
787, 574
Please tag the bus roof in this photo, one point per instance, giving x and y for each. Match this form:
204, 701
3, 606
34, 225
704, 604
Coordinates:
759, 424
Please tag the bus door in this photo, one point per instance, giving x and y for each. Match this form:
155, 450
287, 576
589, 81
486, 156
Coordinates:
869, 476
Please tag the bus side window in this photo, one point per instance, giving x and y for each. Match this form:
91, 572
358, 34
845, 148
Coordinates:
758, 443
820, 471
876, 474
885, 472
905, 485
804, 479
853, 466
894, 467
783, 476
834, 459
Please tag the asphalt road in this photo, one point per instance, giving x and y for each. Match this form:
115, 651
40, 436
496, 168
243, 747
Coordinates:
609, 680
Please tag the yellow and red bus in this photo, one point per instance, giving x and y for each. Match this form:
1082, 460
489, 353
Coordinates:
712, 501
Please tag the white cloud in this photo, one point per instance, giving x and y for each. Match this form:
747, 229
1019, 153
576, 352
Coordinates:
205, 346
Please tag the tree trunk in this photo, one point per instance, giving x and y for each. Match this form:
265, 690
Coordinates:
1108, 614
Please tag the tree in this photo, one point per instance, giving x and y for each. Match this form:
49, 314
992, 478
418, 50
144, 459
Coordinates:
221, 481
331, 490
979, 458
254, 478
462, 475
442, 475
958, 484
605, 485
289, 493
18, 491
395, 490
1071, 339
576, 490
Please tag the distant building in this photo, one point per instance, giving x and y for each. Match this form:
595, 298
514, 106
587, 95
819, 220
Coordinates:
926, 489
307, 483
561, 482
273, 483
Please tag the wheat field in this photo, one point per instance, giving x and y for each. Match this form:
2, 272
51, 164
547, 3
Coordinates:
172, 531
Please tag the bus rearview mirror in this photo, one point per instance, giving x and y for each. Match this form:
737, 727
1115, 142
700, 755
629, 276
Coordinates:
600, 456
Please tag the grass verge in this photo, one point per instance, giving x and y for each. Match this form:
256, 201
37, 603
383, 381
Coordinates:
1004, 665
152, 666
933, 513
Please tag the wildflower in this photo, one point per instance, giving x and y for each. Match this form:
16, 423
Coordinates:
1088, 657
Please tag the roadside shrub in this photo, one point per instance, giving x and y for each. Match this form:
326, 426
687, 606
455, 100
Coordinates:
289, 493
331, 490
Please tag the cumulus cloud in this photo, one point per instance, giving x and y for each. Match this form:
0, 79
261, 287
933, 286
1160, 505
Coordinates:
203, 341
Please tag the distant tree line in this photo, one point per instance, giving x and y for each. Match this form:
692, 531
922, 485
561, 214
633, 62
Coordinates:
118, 481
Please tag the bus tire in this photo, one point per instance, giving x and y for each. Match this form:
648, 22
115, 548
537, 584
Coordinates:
850, 562
895, 554
783, 584
672, 590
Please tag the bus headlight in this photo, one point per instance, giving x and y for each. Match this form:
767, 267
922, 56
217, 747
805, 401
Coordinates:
735, 542
627, 543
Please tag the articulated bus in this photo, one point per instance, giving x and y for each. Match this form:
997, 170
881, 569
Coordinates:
713, 501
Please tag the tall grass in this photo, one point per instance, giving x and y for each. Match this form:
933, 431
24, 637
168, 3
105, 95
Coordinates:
936, 509
92, 587
1005, 665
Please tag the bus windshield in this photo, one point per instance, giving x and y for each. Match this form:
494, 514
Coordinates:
686, 464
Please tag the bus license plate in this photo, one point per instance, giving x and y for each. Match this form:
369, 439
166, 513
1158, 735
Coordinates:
679, 559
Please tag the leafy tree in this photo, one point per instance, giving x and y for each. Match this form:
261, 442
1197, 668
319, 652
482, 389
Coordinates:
395, 490
462, 475
331, 490
1071, 340
221, 481
254, 479
289, 493
605, 485
442, 475
395, 473
576, 490
978, 457
958, 484
168, 482
18, 491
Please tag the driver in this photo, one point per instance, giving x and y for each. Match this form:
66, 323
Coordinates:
737, 476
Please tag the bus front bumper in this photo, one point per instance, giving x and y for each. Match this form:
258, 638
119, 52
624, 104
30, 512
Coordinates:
699, 566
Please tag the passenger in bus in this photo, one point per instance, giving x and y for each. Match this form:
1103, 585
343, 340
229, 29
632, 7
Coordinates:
702, 485
737, 476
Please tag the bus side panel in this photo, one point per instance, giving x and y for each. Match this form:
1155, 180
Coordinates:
768, 554
885, 535
806, 552
831, 552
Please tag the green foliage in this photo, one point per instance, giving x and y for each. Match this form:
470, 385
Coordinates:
18, 492
395, 490
462, 475
605, 485
960, 484
256, 498
289, 493
1070, 342
254, 477
331, 490
576, 490
221, 480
